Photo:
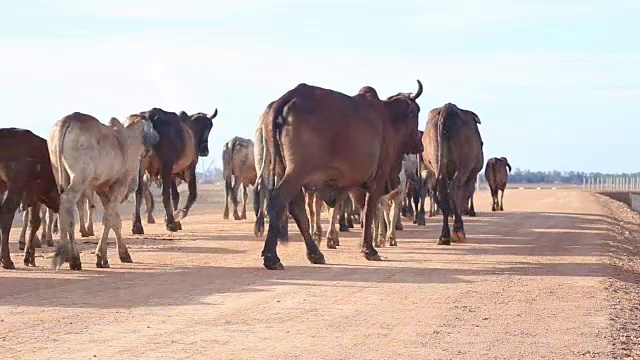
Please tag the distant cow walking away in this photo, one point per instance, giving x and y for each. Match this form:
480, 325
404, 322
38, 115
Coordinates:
327, 140
239, 170
87, 154
388, 211
497, 172
183, 138
453, 152
27, 177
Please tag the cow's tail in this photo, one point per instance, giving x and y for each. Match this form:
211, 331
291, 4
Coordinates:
260, 161
227, 154
442, 142
63, 176
277, 121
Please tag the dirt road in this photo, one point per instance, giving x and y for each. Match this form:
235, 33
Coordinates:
533, 282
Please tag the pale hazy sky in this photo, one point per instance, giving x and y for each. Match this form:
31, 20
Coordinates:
556, 84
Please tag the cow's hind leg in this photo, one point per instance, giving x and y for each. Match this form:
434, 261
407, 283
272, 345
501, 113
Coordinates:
80, 205
332, 235
23, 230
296, 209
370, 208
66, 249
278, 200
136, 226
460, 201
149, 203
313, 208
34, 223
7, 211
234, 198
175, 200
445, 206
245, 197
50, 218
502, 200
394, 219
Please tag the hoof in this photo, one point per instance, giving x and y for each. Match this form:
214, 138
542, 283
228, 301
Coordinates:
272, 262
137, 229
350, 223
85, 234
372, 256
343, 228
8, 264
180, 214
317, 258
151, 220
172, 227
331, 245
126, 258
393, 242
21, 246
178, 225
258, 229
459, 236
444, 241
472, 214
102, 264
30, 263
236, 216
75, 264
225, 215
50, 243
399, 227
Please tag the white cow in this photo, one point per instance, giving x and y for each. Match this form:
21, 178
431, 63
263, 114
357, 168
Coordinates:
87, 154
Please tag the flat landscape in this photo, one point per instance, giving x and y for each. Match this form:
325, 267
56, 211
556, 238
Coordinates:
554, 276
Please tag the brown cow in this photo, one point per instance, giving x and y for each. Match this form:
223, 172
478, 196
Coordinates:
87, 154
26, 177
239, 170
324, 139
497, 172
453, 152
183, 139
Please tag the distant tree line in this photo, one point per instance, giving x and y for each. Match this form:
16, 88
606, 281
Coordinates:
213, 174
562, 177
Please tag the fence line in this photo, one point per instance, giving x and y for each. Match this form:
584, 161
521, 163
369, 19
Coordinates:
611, 183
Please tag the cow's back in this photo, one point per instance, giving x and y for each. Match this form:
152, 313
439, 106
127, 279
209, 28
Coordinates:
20, 146
332, 128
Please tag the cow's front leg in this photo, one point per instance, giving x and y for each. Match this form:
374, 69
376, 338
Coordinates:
192, 184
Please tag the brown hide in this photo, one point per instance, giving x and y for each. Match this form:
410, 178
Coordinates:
25, 161
496, 172
453, 152
327, 140
27, 177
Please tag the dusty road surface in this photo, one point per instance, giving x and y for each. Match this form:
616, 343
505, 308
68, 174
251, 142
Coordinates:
546, 279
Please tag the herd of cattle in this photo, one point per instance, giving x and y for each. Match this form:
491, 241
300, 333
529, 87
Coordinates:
362, 156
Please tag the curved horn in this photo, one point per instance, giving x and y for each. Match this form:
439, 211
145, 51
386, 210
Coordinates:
215, 113
419, 92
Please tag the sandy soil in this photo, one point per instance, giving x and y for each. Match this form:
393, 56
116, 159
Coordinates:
553, 277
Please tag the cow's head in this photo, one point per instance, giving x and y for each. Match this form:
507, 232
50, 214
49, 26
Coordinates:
201, 124
404, 112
